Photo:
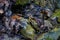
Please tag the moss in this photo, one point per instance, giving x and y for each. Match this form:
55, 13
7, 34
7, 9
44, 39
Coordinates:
57, 13
48, 38
21, 2
28, 32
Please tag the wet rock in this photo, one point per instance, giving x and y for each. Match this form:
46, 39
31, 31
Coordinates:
46, 27
8, 13
58, 3
47, 23
54, 20
33, 9
49, 12
58, 38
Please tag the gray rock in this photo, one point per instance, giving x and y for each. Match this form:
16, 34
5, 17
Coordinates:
47, 23
54, 20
